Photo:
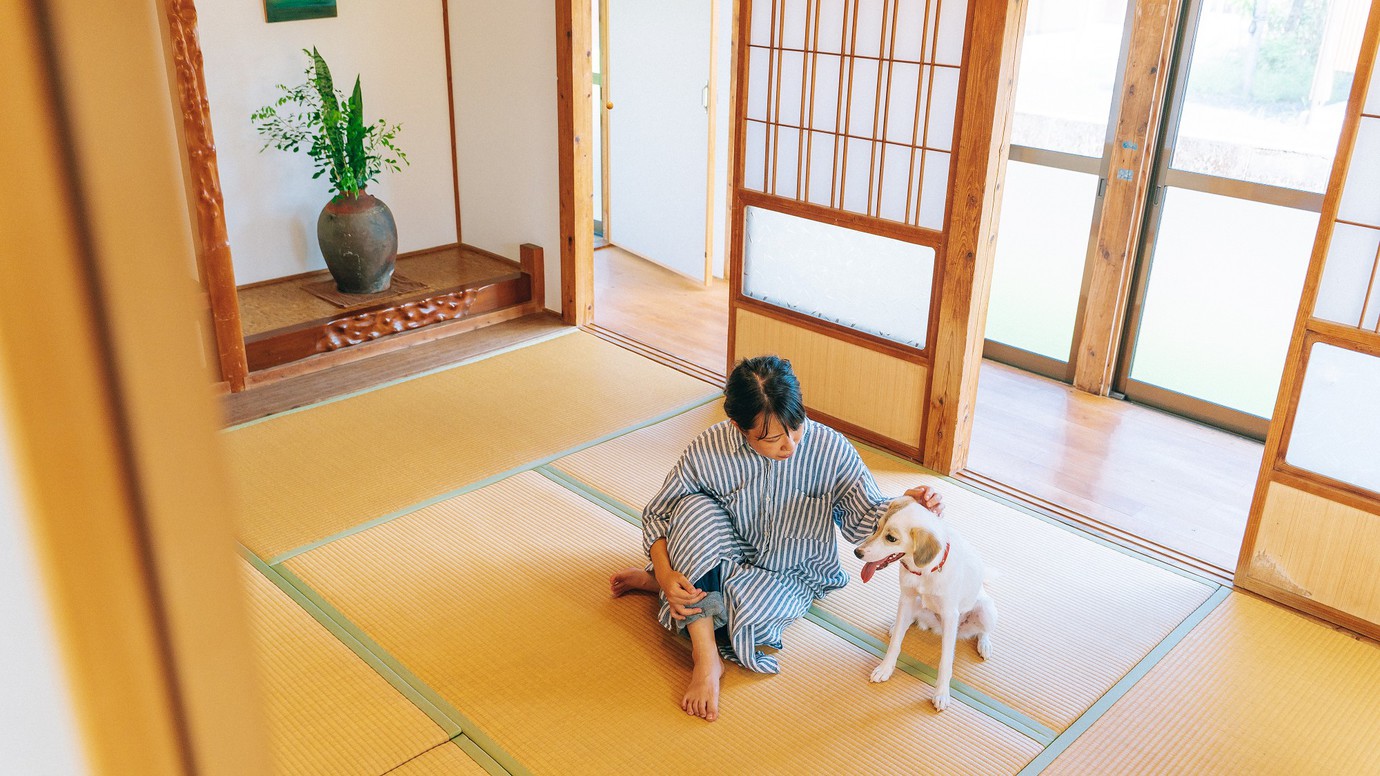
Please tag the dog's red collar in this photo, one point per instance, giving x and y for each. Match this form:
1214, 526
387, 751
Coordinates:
942, 561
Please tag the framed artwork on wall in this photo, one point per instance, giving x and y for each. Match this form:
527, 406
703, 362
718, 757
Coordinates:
292, 10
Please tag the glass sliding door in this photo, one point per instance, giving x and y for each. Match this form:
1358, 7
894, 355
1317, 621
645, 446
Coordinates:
1064, 98
1259, 95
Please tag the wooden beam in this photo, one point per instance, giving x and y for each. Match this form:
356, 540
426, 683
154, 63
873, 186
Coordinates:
986, 97
1107, 279
203, 184
113, 422
574, 126
533, 262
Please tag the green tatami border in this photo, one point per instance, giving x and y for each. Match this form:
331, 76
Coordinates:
1118, 690
490, 480
460, 729
434, 370
973, 697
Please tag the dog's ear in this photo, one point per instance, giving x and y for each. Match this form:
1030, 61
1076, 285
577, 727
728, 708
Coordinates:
896, 505
926, 547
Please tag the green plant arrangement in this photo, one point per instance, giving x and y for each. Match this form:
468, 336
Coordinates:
356, 230
331, 129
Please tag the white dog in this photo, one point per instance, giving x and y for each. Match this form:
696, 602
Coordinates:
941, 586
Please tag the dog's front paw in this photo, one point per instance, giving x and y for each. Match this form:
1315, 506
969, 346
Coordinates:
883, 672
940, 699
984, 646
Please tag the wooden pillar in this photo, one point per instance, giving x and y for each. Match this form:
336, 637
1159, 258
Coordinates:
208, 223
575, 127
1107, 279
985, 104
113, 426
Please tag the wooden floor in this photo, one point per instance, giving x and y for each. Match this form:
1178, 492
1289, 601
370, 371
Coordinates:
1137, 475
1172, 482
657, 307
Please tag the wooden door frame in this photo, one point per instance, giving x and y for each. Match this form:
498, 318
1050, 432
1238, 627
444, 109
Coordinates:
113, 424
201, 176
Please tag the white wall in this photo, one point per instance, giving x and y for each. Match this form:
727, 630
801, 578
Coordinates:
37, 732
271, 202
504, 57
723, 136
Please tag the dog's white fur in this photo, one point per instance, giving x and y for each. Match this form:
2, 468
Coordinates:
951, 601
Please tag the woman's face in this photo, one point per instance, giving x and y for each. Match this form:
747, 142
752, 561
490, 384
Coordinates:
771, 439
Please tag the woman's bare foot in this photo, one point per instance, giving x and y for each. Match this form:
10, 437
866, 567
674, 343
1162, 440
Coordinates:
702, 695
633, 578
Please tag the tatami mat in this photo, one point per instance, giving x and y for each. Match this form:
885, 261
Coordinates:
309, 475
327, 711
1254, 689
1074, 615
445, 760
498, 601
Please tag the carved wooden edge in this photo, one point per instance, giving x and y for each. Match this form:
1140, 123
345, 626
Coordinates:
282, 346
212, 239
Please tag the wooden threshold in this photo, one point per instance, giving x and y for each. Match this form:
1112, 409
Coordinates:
1097, 527
372, 367
677, 363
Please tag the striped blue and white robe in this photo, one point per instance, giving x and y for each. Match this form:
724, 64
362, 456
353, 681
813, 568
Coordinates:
769, 526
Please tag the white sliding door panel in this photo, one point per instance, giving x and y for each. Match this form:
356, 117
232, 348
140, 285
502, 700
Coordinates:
659, 130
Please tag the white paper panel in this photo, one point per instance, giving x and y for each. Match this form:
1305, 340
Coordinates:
758, 83
934, 190
760, 35
909, 29
1346, 274
792, 20
869, 283
821, 171
869, 29
943, 101
863, 97
953, 20
787, 162
1372, 105
825, 109
1337, 425
1361, 194
792, 64
900, 116
753, 153
858, 164
831, 26
894, 181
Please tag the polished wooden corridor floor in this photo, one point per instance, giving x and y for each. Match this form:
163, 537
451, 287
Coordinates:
1140, 476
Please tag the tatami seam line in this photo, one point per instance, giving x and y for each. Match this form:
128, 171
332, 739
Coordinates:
459, 728
1125, 684
978, 700
490, 480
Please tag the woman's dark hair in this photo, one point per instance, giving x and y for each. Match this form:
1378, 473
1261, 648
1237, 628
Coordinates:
760, 386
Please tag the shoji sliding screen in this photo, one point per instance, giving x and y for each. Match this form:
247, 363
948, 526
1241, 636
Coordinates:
1314, 536
848, 127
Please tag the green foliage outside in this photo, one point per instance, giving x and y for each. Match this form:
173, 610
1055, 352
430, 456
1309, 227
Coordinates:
1274, 70
332, 130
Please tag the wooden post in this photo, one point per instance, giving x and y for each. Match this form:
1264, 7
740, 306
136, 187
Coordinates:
574, 125
208, 224
1107, 282
534, 264
990, 54
113, 425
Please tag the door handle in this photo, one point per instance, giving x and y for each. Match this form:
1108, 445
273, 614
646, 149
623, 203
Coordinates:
704, 98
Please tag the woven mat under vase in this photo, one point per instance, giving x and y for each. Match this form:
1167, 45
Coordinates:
401, 286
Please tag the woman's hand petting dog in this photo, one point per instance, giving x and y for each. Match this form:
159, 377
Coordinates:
680, 594
928, 498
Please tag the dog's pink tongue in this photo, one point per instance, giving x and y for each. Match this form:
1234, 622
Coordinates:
869, 569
